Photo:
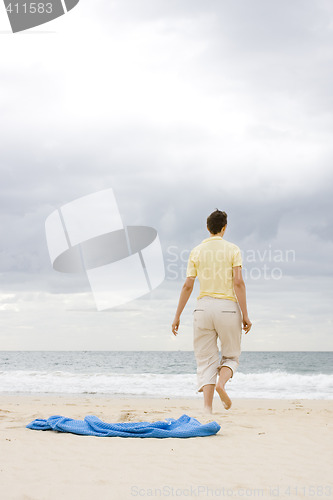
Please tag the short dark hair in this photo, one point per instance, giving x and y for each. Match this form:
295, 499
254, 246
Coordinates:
216, 221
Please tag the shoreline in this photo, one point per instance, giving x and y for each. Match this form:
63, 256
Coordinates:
195, 397
264, 445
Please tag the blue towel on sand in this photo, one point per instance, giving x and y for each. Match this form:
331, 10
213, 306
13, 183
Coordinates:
183, 427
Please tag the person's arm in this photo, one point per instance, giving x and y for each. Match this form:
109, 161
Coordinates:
240, 291
184, 296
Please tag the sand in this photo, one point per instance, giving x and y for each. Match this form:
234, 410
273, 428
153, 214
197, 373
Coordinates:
265, 449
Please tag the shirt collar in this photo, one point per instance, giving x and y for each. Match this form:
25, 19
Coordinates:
212, 238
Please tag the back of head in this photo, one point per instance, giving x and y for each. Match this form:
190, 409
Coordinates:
216, 221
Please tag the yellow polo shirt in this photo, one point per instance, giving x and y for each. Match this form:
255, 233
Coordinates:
212, 262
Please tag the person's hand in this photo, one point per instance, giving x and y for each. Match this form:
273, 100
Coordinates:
246, 324
175, 325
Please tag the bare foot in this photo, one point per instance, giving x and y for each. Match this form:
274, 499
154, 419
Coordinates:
208, 410
223, 396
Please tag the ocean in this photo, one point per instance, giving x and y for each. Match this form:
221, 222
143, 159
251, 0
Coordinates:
261, 374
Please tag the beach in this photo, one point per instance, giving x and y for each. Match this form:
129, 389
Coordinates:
266, 448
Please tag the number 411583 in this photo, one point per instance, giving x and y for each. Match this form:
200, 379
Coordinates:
29, 8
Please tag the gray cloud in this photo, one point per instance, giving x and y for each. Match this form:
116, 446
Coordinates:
180, 107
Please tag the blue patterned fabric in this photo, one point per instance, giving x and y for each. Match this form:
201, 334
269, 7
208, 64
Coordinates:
183, 427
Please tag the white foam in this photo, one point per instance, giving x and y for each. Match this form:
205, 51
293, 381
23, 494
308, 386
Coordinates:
276, 385
281, 385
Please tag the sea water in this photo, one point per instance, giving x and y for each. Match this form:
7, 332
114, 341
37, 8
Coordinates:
265, 374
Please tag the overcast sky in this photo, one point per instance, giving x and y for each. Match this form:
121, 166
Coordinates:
181, 107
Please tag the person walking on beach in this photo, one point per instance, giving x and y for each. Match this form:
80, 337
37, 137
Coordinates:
220, 309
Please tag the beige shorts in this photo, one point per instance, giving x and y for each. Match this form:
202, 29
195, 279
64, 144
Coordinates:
215, 319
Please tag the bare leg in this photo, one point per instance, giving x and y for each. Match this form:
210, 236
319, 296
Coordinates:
208, 392
225, 374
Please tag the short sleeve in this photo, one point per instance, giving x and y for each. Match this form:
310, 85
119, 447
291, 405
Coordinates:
237, 258
191, 268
